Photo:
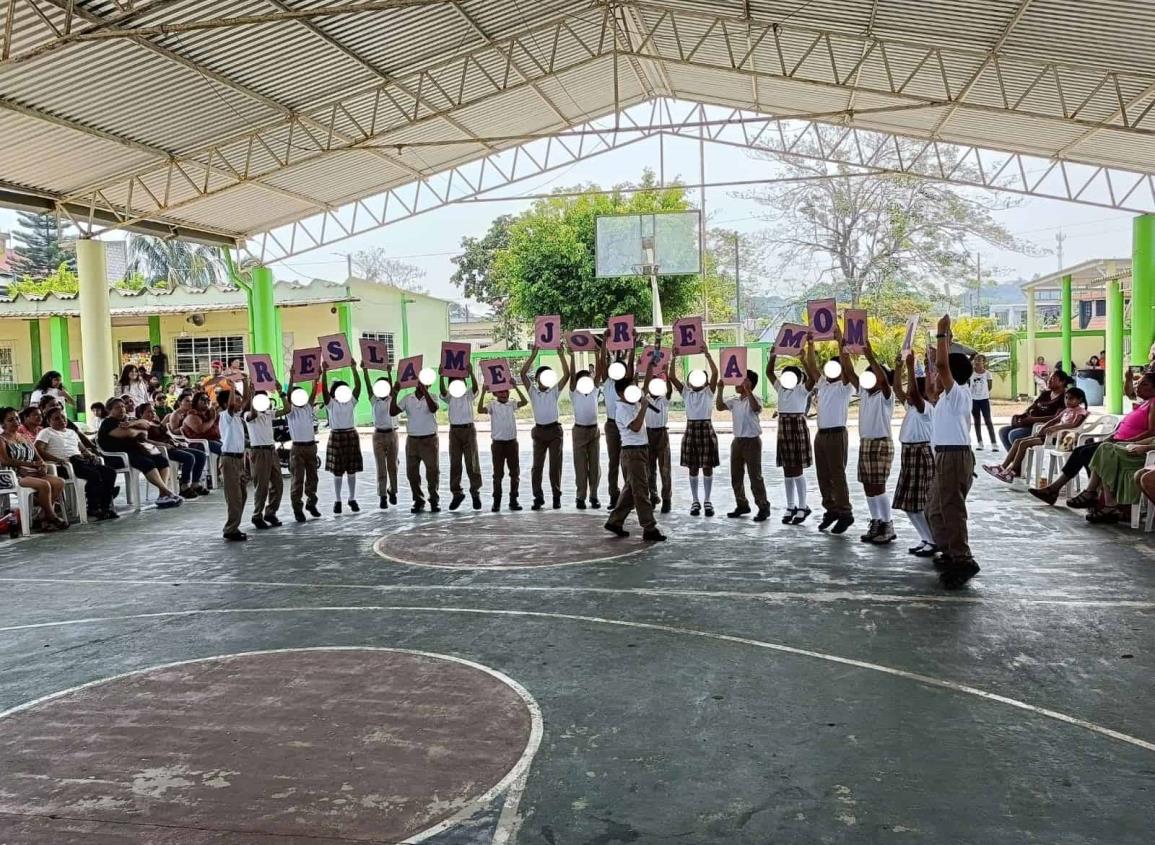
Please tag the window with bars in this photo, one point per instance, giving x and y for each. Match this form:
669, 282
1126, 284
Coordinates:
382, 337
7, 366
195, 354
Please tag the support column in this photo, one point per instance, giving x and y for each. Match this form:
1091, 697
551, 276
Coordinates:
1032, 332
263, 312
34, 348
405, 325
1114, 371
61, 355
96, 358
1067, 317
154, 331
1142, 287
346, 327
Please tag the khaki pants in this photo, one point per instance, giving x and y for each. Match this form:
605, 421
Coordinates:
830, 448
234, 482
463, 449
659, 454
505, 456
746, 459
546, 438
303, 466
614, 450
635, 493
418, 451
946, 508
385, 457
267, 480
587, 459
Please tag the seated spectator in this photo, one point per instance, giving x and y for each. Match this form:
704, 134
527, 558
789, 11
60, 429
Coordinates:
57, 444
18, 454
1070, 417
192, 461
1094, 363
160, 404
1049, 403
175, 421
51, 384
129, 406
202, 422
1113, 476
118, 434
1138, 425
30, 422
98, 411
47, 403
1041, 373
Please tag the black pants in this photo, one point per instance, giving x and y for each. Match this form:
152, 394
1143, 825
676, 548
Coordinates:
98, 482
981, 410
1080, 459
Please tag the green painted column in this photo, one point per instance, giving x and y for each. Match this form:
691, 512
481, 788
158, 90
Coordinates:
1068, 315
263, 313
34, 347
346, 327
61, 355
1032, 337
154, 330
405, 326
1142, 287
1114, 363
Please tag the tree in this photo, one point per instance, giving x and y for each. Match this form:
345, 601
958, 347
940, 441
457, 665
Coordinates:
861, 232
163, 261
39, 249
982, 334
475, 277
375, 265
62, 281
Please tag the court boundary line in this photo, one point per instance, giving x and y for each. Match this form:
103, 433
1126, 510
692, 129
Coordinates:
917, 677
512, 783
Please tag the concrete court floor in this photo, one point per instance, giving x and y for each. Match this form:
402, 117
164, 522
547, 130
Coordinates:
544, 683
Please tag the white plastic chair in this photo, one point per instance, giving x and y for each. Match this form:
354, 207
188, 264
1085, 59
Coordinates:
1103, 428
131, 478
1141, 505
10, 488
210, 479
74, 495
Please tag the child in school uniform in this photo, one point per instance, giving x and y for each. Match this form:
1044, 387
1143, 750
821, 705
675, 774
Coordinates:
234, 478
793, 453
343, 454
462, 443
980, 385
658, 437
422, 445
613, 437
875, 447
831, 443
384, 440
746, 447
503, 442
547, 434
303, 451
700, 442
635, 495
916, 464
264, 464
586, 434
954, 464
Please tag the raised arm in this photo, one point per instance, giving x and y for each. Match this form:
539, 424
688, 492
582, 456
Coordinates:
285, 405
481, 409
525, 368
718, 403
572, 380
444, 386
356, 380
755, 405
713, 382
566, 369
328, 397
394, 408
879, 372
675, 382
770, 375
848, 375
521, 400
601, 364
944, 338
810, 362
472, 377
899, 374
430, 402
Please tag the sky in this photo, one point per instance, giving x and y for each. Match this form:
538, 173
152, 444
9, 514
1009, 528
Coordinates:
430, 240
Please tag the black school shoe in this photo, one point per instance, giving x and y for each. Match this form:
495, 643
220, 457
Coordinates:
828, 519
496, 506
956, 577
557, 503
336, 507
666, 506
383, 503
236, 536
580, 504
801, 515
418, 507
763, 513
434, 506
842, 523
392, 498
456, 501
476, 502
788, 517
353, 506
299, 515
514, 505
653, 535
739, 511
273, 521
260, 523
616, 529
313, 512
595, 504
538, 504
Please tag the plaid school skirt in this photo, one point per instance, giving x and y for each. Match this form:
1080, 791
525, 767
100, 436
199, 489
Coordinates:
875, 455
699, 445
793, 441
915, 476
343, 454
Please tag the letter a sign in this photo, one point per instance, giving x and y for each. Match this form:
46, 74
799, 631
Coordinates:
791, 339
854, 332
620, 336
733, 363
823, 317
408, 370
547, 332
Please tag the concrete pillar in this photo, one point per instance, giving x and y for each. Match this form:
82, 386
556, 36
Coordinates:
95, 321
263, 313
34, 349
346, 326
1067, 317
1032, 332
1114, 365
1142, 287
61, 354
154, 331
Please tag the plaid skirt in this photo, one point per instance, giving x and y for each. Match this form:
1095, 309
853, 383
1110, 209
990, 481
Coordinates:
875, 455
699, 445
343, 454
793, 441
915, 476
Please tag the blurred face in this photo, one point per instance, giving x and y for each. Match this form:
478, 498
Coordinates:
216, 368
129, 406
1055, 383
116, 410
33, 419
148, 414
980, 363
10, 422
56, 381
1041, 360
1073, 401
1146, 388
184, 404
502, 396
56, 420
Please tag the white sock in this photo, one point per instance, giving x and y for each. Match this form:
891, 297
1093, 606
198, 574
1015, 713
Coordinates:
708, 483
884, 508
352, 485
790, 494
694, 488
337, 485
918, 520
800, 490
870, 503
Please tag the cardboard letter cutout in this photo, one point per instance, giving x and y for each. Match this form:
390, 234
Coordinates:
621, 333
307, 364
854, 331
374, 354
261, 372
547, 332
823, 317
908, 338
581, 341
496, 374
791, 340
733, 364
454, 359
688, 336
335, 350
661, 360
408, 370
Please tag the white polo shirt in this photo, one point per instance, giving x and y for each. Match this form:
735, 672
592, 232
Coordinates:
585, 406
833, 402
61, 445
544, 404
951, 422
341, 414
699, 403
260, 429
460, 408
658, 418
916, 427
419, 420
747, 423
626, 414
610, 392
794, 400
301, 422
382, 418
875, 413
502, 420
232, 432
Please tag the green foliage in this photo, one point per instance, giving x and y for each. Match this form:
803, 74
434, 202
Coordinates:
62, 281
475, 277
195, 266
39, 249
981, 334
135, 282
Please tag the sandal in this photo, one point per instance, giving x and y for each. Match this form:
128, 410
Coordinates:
695, 509
1086, 499
1044, 494
1104, 516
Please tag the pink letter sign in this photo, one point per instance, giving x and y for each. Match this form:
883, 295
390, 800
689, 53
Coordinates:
261, 372
661, 360
408, 370
307, 364
547, 332
908, 338
733, 363
374, 354
688, 336
496, 374
621, 333
454, 359
791, 340
581, 341
823, 316
854, 331
335, 351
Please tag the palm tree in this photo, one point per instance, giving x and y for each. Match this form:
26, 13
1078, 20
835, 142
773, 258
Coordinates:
167, 261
